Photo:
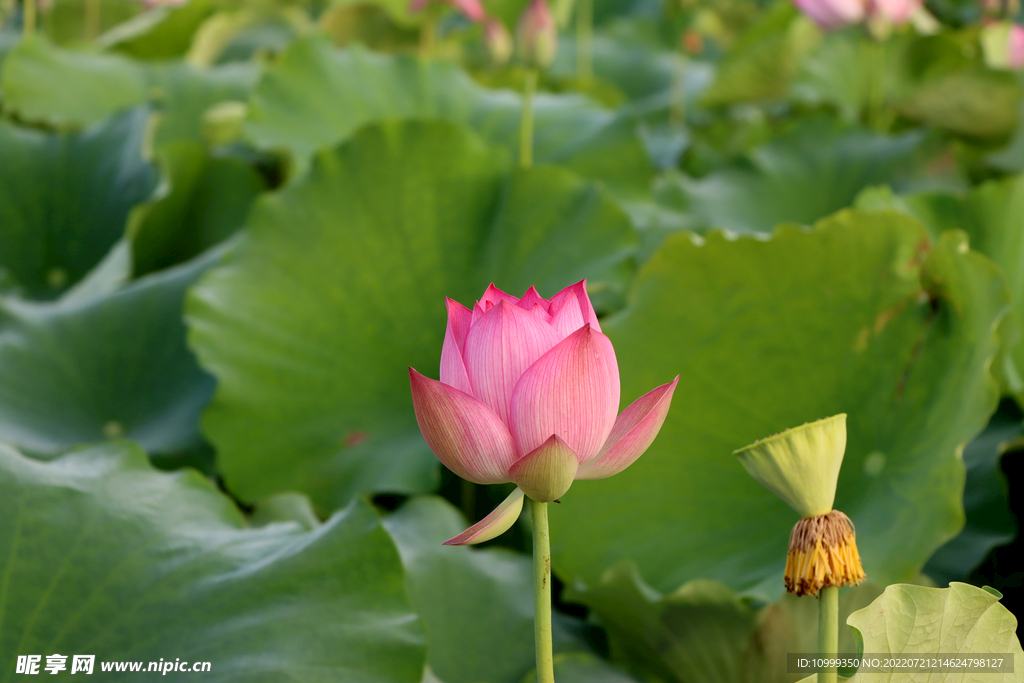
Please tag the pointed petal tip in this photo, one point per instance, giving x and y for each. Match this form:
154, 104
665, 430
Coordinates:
634, 432
493, 525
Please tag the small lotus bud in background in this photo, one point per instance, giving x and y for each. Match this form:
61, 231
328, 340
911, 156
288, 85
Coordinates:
1016, 47
1002, 43
222, 123
893, 12
498, 41
537, 35
831, 14
471, 9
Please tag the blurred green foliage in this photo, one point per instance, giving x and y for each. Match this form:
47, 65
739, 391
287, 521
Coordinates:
227, 228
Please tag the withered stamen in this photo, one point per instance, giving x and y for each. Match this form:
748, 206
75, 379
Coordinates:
823, 552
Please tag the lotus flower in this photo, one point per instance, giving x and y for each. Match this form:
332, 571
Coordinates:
537, 35
529, 393
894, 12
830, 14
1015, 49
471, 9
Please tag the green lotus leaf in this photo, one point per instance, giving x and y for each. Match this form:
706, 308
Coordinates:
990, 522
65, 200
581, 667
315, 96
105, 364
703, 632
961, 619
338, 285
811, 171
162, 32
45, 83
205, 200
992, 215
103, 555
864, 315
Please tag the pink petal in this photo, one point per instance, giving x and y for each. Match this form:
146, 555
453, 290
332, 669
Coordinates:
473, 10
569, 317
1016, 48
632, 434
493, 525
453, 368
463, 433
500, 346
533, 299
831, 14
546, 473
572, 391
583, 300
491, 298
417, 5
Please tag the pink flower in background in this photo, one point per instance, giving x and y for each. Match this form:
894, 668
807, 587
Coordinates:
537, 35
830, 14
529, 393
894, 12
1016, 47
471, 9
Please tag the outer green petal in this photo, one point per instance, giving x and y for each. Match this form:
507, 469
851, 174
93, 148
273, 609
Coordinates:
800, 465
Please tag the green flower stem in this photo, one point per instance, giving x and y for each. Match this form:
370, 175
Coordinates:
92, 19
584, 39
875, 84
828, 630
428, 36
28, 17
526, 122
677, 97
542, 590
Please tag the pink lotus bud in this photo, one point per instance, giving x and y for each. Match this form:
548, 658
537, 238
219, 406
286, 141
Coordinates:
893, 12
529, 393
537, 35
1016, 47
498, 41
830, 14
471, 9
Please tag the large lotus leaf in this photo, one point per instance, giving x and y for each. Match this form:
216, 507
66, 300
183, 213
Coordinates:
316, 95
862, 315
339, 285
992, 215
990, 523
204, 200
42, 82
64, 21
961, 619
703, 632
581, 667
92, 367
65, 199
164, 32
477, 605
763, 63
810, 172
102, 555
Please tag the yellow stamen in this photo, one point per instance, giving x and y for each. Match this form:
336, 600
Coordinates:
823, 552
